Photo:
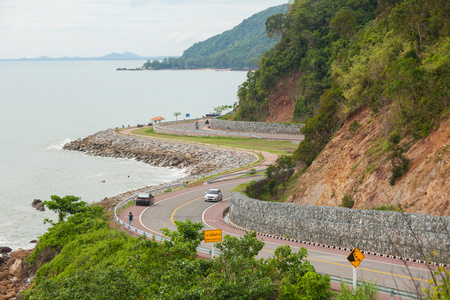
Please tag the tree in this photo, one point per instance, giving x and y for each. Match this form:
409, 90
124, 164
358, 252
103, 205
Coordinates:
68, 205
176, 114
221, 108
276, 26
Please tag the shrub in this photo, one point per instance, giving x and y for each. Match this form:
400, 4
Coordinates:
347, 201
400, 164
354, 127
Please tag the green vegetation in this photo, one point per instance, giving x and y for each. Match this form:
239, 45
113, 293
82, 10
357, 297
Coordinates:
400, 164
176, 114
347, 201
439, 285
388, 208
354, 127
386, 55
82, 258
65, 206
307, 45
366, 291
272, 187
276, 147
221, 108
236, 49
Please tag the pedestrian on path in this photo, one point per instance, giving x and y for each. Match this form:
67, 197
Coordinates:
130, 218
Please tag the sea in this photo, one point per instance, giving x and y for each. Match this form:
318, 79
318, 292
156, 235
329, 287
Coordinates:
45, 104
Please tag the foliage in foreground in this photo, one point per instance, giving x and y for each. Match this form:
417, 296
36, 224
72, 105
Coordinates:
366, 291
93, 261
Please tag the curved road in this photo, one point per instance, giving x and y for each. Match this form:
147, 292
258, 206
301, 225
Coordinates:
189, 204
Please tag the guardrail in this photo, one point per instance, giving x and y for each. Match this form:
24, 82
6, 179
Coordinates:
214, 252
144, 233
233, 175
382, 289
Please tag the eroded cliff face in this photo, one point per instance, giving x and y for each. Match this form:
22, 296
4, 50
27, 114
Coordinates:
358, 166
282, 99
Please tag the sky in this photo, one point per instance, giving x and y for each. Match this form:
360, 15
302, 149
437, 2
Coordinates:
92, 28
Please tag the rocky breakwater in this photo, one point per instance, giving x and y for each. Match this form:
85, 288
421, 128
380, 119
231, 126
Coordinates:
195, 159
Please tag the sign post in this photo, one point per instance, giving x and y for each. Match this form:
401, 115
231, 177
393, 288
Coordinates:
355, 258
212, 236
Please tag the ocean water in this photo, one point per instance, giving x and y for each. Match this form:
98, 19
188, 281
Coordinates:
43, 105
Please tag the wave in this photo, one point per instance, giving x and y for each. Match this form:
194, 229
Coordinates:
58, 145
96, 175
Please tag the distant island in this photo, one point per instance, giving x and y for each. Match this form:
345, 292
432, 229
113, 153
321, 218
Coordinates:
111, 56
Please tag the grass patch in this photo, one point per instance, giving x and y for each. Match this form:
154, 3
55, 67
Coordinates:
276, 147
241, 187
381, 146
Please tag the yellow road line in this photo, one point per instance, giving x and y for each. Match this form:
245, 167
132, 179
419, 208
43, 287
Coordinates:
369, 270
171, 217
324, 261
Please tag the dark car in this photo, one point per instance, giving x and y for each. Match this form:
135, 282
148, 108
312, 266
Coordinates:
145, 199
212, 115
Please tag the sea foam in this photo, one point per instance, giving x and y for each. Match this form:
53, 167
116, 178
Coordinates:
58, 145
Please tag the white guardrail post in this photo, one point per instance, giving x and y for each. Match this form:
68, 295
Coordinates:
212, 252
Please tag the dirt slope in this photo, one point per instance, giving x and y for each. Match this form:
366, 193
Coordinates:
282, 99
359, 167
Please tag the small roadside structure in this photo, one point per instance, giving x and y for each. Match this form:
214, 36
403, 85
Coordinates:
158, 118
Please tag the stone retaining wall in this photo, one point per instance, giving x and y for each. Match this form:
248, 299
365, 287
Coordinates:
261, 127
201, 132
376, 231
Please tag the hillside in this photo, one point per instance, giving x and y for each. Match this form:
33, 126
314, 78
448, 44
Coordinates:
237, 48
371, 82
356, 166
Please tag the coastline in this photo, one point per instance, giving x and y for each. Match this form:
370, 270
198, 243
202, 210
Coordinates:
200, 69
199, 161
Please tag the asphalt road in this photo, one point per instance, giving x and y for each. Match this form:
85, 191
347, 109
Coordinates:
188, 204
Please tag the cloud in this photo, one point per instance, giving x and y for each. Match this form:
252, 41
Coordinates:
30, 28
137, 3
178, 37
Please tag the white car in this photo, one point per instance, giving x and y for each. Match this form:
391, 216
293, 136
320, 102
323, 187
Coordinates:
214, 195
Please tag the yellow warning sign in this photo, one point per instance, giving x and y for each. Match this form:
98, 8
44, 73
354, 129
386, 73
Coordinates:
355, 257
213, 236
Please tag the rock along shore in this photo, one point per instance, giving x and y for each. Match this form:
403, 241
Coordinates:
197, 160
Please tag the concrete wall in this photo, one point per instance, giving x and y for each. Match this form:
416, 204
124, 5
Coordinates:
262, 127
375, 231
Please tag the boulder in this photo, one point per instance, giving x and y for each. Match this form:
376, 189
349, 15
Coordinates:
40, 207
10, 295
5, 249
16, 268
3, 275
36, 202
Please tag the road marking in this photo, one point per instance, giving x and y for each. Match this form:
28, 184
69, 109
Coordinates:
319, 260
171, 217
369, 270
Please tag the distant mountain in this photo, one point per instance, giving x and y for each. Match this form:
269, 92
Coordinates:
237, 48
111, 56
